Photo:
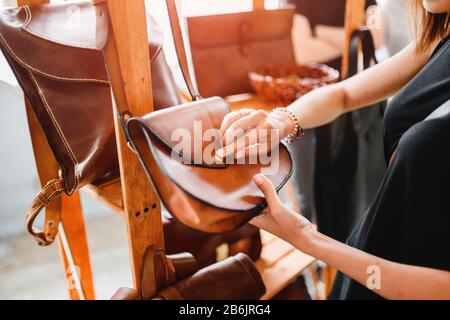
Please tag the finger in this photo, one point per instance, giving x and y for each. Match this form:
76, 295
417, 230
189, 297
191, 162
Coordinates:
229, 120
244, 124
248, 139
267, 188
254, 152
232, 117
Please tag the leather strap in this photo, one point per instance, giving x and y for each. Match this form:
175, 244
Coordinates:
52, 189
180, 48
363, 37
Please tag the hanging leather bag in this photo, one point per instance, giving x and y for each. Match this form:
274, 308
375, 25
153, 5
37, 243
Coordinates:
231, 45
55, 53
210, 197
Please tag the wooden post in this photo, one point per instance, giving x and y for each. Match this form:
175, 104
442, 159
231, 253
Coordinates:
355, 15
68, 207
258, 4
128, 63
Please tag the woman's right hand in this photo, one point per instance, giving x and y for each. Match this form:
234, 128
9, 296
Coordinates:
248, 132
279, 220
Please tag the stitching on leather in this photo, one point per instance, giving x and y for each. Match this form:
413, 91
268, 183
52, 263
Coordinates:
68, 44
144, 128
28, 94
17, 76
28, 13
25, 65
49, 197
71, 44
59, 130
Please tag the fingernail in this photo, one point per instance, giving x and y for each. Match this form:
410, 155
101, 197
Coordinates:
259, 180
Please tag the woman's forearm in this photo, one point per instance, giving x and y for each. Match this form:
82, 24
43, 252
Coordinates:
388, 279
319, 107
375, 84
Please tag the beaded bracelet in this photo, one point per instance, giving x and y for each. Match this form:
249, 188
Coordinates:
298, 130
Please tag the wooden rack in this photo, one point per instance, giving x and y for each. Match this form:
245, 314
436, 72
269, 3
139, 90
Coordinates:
128, 64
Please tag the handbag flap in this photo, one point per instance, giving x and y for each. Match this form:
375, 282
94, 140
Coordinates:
238, 28
223, 186
187, 130
61, 41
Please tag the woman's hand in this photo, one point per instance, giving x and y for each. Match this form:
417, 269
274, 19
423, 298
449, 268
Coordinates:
280, 220
250, 132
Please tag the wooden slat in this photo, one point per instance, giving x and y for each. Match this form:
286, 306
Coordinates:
110, 194
274, 251
250, 101
128, 63
31, 2
282, 273
267, 237
75, 231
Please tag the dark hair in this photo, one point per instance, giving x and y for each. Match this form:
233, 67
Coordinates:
430, 27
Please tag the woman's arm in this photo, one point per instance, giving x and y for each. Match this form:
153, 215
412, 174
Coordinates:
388, 279
323, 105
366, 88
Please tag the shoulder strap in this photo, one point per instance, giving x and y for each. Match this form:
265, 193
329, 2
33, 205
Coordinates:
360, 37
180, 49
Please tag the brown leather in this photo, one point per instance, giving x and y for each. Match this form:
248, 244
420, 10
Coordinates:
183, 265
203, 246
181, 52
126, 294
226, 47
52, 189
207, 196
168, 269
235, 278
55, 53
209, 199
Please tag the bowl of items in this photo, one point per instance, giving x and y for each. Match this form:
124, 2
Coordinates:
287, 83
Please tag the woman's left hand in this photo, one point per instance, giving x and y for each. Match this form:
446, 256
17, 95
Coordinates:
279, 219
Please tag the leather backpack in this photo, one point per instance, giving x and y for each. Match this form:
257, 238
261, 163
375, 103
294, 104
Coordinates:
59, 65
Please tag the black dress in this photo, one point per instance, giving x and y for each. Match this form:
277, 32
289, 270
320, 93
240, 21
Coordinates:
409, 220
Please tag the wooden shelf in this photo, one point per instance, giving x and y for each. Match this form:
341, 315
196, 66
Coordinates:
279, 263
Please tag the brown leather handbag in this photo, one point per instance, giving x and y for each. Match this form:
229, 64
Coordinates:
232, 45
59, 64
210, 248
209, 197
235, 278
